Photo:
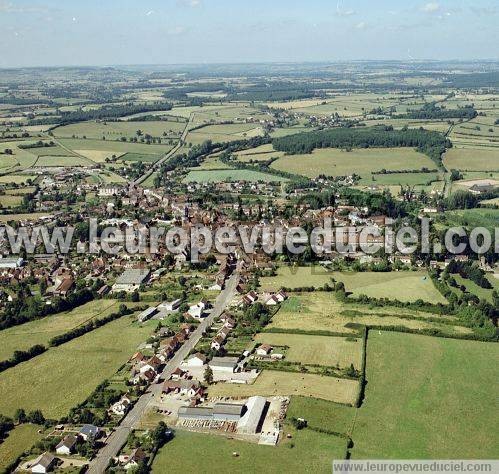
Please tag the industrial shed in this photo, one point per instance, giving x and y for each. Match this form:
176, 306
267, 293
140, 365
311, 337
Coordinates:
227, 411
195, 413
252, 420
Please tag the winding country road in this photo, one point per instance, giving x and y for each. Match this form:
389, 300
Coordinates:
167, 156
118, 438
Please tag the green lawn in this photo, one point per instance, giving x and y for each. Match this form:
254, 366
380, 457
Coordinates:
230, 175
472, 159
430, 398
472, 287
20, 439
306, 451
64, 376
40, 331
337, 162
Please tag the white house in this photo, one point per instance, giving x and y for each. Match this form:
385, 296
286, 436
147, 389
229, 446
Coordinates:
196, 360
196, 311
43, 463
67, 444
264, 350
121, 407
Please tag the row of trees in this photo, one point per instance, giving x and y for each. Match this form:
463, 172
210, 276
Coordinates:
431, 111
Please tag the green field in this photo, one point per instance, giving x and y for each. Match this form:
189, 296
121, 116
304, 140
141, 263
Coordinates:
472, 287
19, 440
306, 451
114, 147
224, 133
17, 179
145, 158
64, 376
321, 350
321, 311
40, 331
49, 161
214, 176
472, 159
428, 398
337, 162
116, 130
273, 382
404, 286
322, 414
407, 179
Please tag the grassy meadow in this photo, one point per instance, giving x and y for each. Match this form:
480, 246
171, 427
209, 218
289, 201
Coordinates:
64, 376
273, 382
338, 162
428, 398
20, 439
221, 175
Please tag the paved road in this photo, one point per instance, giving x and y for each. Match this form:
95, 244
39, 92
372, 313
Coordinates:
118, 438
167, 156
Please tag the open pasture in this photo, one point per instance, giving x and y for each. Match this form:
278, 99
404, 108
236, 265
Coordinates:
321, 311
64, 376
261, 153
337, 162
404, 286
20, 439
116, 147
428, 398
274, 382
40, 331
225, 175
473, 159
212, 453
321, 350
124, 128
224, 133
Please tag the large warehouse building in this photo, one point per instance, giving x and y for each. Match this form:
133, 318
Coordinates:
252, 420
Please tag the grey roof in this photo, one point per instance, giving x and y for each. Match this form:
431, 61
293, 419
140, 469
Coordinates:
195, 412
227, 409
133, 276
45, 460
68, 441
89, 430
224, 361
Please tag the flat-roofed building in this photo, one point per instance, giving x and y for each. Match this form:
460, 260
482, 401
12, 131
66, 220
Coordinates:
223, 364
131, 279
195, 413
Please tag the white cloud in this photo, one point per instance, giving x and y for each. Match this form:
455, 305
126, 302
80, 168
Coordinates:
10, 7
150, 12
341, 12
361, 26
484, 11
177, 30
431, 7
189, 3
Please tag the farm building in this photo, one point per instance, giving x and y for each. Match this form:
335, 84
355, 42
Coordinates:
195, 413
252, 420
131, 279
67, 444
227, 411
147, 314
223, 364
43, 463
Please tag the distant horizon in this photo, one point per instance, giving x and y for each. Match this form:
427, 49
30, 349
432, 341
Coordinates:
56, 33
255, 63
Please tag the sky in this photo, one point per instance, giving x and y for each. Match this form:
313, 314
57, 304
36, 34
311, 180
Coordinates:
113, 32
